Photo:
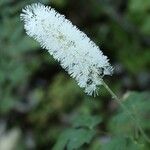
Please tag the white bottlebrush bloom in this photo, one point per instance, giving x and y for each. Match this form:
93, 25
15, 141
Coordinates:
81, 58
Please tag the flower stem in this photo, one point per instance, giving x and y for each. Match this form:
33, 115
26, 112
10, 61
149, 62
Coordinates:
115, 97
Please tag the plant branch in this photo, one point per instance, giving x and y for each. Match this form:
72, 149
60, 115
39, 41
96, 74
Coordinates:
115, 97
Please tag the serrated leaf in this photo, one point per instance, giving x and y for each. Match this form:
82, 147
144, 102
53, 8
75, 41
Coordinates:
74, 138
86, 121
138, 105
121, 143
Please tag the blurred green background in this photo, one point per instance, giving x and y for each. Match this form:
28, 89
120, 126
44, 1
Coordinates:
42, 108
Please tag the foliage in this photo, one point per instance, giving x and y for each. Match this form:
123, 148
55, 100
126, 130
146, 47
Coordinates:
82, 132
47, 107
136, 103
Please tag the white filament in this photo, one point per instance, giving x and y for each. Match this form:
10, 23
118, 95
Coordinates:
77, 54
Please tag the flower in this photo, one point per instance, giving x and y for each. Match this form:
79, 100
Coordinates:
77, 54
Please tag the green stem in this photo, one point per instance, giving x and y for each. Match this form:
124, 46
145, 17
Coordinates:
115, 97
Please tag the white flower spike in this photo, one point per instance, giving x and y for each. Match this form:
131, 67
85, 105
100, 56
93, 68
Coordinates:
77, 54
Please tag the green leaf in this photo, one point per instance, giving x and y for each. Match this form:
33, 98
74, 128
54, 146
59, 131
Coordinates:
121, 143
86, 121
137, 104
74, 138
